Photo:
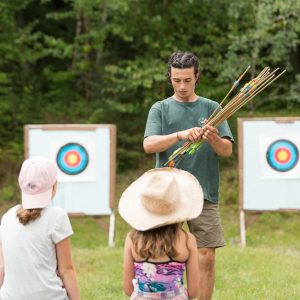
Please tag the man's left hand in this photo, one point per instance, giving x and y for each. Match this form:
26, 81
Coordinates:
210, 134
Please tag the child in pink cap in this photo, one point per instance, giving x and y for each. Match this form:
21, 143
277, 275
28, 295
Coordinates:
34, 240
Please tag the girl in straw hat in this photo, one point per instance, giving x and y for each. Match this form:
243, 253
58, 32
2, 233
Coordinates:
158, 251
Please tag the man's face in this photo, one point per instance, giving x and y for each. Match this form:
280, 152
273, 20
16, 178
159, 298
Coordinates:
183, 82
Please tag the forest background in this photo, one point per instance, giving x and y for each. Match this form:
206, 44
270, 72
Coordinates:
104, 61
100, 61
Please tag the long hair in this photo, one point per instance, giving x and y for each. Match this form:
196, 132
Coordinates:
183, 60
155, 242
28, 215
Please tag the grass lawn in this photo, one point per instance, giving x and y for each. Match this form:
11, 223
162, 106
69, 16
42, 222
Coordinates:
267, 269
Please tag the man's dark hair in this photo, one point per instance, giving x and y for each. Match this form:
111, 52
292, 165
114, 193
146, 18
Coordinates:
183, 60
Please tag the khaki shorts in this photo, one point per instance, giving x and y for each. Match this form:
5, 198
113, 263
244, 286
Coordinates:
207, 227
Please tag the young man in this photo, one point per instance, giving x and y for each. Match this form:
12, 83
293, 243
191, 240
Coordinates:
177, 119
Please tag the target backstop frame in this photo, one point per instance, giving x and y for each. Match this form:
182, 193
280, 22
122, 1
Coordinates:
90, 128
249, 183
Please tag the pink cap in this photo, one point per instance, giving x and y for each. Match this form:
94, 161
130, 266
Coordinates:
36, 180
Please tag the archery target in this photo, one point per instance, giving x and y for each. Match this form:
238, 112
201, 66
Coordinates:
75, 158
84, 156
72, 158
279, 157
282, 155
269, 163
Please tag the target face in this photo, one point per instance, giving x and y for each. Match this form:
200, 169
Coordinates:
282, 155
72, 159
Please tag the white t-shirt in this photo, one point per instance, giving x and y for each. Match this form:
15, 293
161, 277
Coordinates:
30, 257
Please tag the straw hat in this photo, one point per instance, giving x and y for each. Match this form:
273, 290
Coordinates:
160, 197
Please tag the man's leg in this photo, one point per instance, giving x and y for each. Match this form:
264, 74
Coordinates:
206, 258
209, 235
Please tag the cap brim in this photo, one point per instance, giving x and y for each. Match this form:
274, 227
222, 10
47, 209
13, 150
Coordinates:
134, 213
36, 201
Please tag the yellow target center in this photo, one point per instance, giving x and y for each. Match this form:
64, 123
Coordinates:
283, 155
72, 159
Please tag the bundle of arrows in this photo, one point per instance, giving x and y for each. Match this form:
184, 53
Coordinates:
219, 115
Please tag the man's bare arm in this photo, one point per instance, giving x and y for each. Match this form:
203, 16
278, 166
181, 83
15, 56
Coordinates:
222, 146
159, 143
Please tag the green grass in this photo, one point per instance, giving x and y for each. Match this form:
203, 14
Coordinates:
267, 269
257, 273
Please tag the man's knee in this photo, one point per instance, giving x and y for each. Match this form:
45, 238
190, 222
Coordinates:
206, 257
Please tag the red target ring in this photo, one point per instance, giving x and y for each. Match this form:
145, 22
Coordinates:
282, 155
72, 158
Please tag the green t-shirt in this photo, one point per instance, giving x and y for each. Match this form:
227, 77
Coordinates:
169, 116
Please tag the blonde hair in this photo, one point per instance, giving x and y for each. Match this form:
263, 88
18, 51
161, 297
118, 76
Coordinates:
27, 215
156, 242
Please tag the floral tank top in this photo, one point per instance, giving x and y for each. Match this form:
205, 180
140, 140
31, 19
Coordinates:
158, 276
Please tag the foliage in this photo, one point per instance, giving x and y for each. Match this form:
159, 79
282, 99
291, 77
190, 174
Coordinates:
84, 61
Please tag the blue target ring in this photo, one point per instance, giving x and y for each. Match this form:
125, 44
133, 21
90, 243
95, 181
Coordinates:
282, 155
72, 159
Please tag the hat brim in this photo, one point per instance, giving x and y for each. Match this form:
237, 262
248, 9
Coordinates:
189, 207
36, 201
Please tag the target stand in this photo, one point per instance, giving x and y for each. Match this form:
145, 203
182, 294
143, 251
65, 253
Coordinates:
85, 156
269, 167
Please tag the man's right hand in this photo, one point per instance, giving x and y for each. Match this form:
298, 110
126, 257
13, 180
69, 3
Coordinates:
193, 134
